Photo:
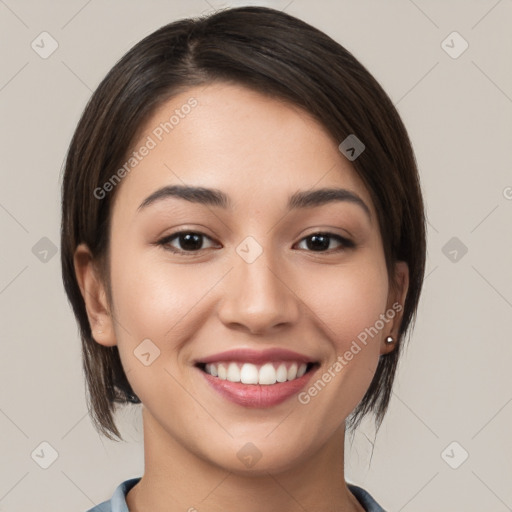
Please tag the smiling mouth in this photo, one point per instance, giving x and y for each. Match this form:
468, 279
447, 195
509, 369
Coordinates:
267, 374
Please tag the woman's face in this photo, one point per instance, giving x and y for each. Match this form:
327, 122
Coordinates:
248, 274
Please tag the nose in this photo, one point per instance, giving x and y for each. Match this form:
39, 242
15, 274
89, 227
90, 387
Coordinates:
258, 297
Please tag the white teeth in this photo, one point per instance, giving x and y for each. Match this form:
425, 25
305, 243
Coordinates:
267, 375
248, 373
302, 370
292, 372
233, 374
211, 369
282, 373
222, 371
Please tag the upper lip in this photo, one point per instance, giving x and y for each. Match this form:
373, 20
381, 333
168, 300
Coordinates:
244, 355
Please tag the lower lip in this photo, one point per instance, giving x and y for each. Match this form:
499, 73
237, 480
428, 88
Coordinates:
257, 395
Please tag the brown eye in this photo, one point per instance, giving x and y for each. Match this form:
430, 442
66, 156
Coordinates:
321, 242
186, 241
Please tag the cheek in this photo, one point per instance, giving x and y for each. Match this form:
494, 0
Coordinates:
347, 304
348, 301
156, 299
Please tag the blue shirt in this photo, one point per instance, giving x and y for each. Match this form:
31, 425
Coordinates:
118, 501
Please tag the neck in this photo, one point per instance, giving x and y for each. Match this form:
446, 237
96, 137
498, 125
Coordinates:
176, 479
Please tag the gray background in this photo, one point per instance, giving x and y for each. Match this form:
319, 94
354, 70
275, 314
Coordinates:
454, 383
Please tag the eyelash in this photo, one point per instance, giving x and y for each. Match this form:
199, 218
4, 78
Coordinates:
164, 242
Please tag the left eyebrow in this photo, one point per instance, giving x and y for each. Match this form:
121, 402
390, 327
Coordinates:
323, 196
214, 197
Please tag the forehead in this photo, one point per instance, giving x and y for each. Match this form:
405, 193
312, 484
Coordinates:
232, 138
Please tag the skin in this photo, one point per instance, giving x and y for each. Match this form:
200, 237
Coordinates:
259, 151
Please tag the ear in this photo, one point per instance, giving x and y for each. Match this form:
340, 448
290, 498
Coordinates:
396, 300
95, 297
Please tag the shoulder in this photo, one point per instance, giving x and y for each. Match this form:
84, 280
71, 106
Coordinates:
365, 498
118, 501
102, 507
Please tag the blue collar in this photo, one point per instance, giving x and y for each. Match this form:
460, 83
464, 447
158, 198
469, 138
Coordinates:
118, 501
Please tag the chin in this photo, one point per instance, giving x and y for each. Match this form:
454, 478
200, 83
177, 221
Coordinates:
257, 458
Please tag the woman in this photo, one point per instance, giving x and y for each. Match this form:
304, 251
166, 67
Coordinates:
243, 245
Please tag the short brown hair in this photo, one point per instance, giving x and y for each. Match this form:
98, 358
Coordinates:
275, 54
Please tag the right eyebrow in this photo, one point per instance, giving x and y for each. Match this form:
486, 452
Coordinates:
199, 195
